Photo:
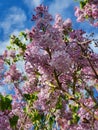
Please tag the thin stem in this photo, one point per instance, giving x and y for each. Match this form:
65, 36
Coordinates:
57, 80
17, 87
85, 54
49, 52
70, 96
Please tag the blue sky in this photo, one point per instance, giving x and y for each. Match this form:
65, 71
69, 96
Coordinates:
15, 16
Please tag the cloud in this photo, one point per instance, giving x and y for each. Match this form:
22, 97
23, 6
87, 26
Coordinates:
58, 6
16, 32
4, 44
95, 49
32, 3
93, 46
15, 19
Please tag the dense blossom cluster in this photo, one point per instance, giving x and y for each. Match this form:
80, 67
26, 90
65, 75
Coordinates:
4, 121
88, 11
61, 70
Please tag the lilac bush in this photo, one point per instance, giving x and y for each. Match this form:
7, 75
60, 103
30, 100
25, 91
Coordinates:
60, 71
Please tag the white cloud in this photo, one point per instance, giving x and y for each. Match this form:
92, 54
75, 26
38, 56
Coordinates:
58, 6
4, 44
95, 49
15, 32
15, 19
32, 3
93, 46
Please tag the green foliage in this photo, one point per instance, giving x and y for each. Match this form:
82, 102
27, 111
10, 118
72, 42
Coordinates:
51, 121
43, 122
17, 44
77, 95
31, 97
75, 118
83, 3
38, 119
16, 41
74, 110
23, 34
8, 61
13, 121
59, 104
5, 102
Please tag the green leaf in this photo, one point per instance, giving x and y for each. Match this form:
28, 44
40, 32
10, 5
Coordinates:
23, 34
36, 116
9, 47
51, 121
59, 103
13, 121
75, 108
7, 61
27, 96
31, 97
9, 97
5, 103
82, 4
75, 118
77, 95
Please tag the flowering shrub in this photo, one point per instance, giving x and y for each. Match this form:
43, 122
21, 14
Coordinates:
88, 11
56, 88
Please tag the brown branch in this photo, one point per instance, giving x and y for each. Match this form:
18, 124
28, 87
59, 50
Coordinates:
17, 87
85, 54
73, 98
